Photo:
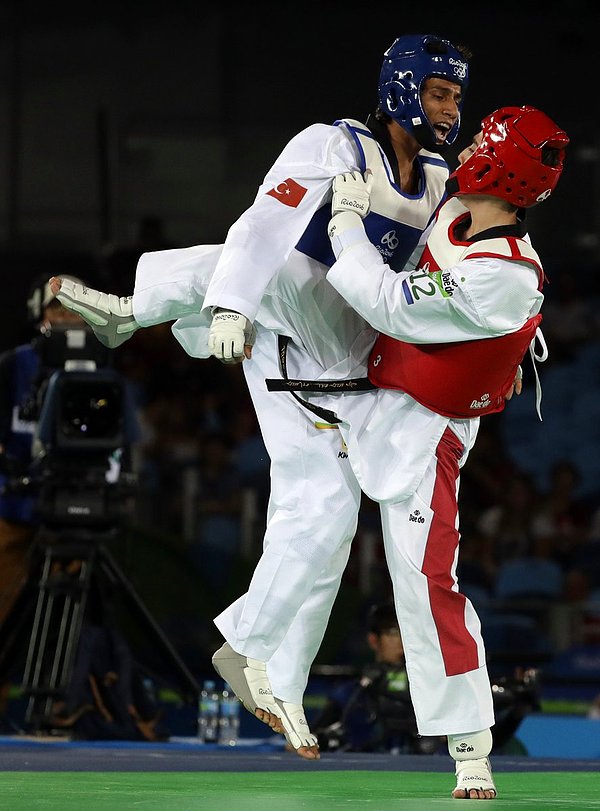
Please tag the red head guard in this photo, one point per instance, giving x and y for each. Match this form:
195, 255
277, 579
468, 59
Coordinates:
520, 158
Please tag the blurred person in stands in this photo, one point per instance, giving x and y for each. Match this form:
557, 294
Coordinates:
583, 571
489, 470
219, 503
562, 520
508, 527
569, 315
594, 710
374, 713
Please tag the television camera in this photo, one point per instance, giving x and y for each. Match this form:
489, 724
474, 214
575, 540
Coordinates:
84, 424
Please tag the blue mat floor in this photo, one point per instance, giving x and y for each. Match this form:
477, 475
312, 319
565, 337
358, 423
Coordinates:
21, 753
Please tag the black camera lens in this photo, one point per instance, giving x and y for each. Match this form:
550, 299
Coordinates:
90, 410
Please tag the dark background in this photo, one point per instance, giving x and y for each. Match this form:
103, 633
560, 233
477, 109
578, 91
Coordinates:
117, 111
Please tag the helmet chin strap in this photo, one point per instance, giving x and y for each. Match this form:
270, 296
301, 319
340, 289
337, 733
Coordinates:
424, 135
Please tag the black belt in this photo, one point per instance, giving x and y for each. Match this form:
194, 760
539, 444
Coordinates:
323, 386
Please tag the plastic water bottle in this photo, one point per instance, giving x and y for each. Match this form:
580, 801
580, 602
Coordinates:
229, 722
208, 713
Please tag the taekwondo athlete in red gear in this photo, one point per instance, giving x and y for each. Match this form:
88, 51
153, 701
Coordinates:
477, 293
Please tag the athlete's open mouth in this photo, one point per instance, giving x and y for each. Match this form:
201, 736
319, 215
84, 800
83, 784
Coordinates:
441, 128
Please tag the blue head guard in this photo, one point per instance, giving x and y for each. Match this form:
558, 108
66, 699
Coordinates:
408, 62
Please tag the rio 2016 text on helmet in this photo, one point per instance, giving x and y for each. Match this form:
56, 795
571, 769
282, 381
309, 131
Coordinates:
408, 62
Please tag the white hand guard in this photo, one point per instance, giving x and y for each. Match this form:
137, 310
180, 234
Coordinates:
350, 203
109, 316
352, 192
229, 333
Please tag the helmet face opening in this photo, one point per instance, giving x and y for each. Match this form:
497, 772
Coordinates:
520, 158
408, 62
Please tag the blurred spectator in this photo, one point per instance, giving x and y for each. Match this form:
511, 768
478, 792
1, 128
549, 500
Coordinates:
568, 317
250, 456
594, 710
562, 521
476, 566
508, 527
485, 478
515, 697
217, 544
168, 447
583, 573
374, 712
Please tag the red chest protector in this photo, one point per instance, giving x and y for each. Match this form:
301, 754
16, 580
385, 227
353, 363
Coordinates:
462, 379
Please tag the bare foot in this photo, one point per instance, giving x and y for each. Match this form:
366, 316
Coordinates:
309, 752
305, 752
270, 720
474, 794
474, 780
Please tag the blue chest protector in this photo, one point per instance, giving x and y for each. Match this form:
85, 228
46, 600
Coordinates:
396, 220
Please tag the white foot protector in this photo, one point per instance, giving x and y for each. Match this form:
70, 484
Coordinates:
109, 316
247, 678
293, 719
474, 775
249, 681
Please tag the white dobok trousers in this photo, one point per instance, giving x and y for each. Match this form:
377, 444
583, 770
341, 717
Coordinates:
315, 498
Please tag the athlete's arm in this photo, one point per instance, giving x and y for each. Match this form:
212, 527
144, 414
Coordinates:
261, 240
477, 298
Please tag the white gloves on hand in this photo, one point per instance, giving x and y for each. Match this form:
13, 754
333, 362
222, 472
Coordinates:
229, 333
350, 204
352, 192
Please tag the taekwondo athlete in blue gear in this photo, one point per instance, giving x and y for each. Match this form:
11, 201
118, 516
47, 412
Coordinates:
405, 195
282, 240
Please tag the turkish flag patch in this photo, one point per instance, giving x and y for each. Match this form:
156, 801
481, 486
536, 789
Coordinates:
288, 192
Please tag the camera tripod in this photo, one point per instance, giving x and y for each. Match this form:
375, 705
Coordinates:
69, 575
